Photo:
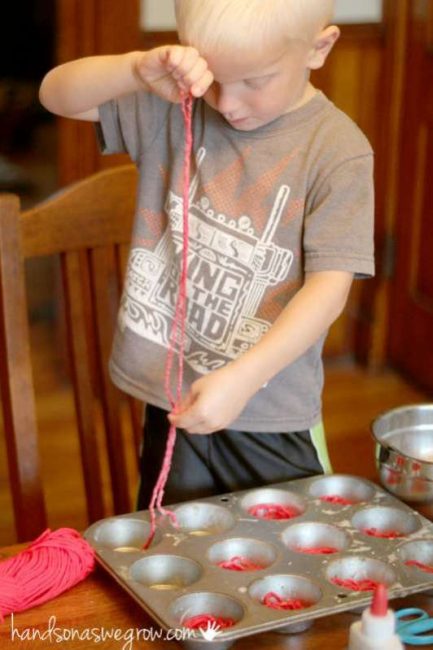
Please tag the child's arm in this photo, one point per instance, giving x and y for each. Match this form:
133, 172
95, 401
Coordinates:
77, 88
217, 399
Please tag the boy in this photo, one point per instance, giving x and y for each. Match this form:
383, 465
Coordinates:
280, 222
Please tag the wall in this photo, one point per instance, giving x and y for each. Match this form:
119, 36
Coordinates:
354, 11
158, 15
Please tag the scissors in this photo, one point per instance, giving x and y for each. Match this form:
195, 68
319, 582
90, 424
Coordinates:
412, 622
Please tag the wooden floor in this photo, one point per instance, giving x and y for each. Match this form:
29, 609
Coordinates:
352, 399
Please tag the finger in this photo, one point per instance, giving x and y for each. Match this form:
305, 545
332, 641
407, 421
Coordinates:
183, 420
173, 56
188, 419
191, 58
196, 72
181, 60
199, 87
184, 404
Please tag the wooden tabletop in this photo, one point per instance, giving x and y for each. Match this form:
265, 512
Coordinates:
99, 602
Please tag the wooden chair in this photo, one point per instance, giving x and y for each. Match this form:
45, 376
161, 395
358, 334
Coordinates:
88, 226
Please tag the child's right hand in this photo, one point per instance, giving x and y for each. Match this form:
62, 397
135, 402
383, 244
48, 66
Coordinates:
172, 70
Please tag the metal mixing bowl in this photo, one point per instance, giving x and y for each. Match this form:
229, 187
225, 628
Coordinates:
404, 439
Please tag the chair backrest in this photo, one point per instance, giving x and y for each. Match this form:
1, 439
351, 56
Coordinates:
88, 225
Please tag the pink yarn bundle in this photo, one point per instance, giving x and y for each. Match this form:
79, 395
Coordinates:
275, 601
273, 511
53, 563
335, 498
384, 534
316, 550
177, 336
240, 563
202, 622
356, 585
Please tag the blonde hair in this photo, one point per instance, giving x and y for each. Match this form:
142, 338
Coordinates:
214, 26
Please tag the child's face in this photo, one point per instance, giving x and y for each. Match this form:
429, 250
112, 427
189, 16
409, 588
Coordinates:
252, 91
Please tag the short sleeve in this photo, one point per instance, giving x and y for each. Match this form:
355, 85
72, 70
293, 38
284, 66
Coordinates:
130, 123
339, 222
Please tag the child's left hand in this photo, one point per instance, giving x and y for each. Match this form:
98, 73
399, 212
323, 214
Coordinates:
213, 402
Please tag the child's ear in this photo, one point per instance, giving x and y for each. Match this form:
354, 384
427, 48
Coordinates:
323, 44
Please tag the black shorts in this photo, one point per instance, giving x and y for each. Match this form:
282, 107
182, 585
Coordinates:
224, 461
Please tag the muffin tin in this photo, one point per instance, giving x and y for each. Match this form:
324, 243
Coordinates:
179, 575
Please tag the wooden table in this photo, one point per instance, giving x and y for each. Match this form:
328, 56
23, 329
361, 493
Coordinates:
99, 602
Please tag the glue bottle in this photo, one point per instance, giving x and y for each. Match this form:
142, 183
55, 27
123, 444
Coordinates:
376, 629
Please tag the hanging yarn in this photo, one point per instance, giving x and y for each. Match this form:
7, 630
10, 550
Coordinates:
356, 585
50, 565
273, 511
177, 335
239, 563
420, 565
203, 621
334, 498
273, 600
384, 534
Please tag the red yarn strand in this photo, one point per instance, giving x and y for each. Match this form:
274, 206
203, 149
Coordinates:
177, 335
420, 565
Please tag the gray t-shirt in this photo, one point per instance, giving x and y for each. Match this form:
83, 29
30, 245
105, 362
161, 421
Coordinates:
266, 206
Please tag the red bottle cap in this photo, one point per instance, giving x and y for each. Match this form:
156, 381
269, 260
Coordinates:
379, 606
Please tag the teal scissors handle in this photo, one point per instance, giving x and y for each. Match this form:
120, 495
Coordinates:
412, 622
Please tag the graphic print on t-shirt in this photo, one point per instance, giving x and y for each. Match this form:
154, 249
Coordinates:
229, 269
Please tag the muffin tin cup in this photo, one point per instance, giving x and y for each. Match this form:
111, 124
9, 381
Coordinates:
315, 538
268, 497
360, 570
418, 555
180, 574
385, 522
203, 519
287, 587
242, 552
340, 490
205, 603
164, 572
125, 534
